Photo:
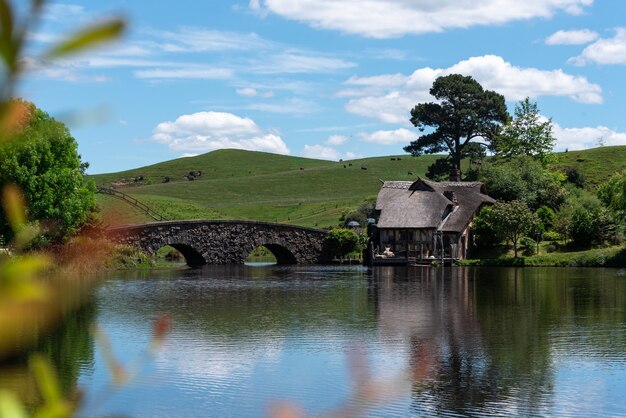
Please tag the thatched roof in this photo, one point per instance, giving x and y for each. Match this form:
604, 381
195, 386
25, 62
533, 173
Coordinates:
423, 204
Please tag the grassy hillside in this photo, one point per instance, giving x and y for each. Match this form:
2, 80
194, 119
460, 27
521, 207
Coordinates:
596, 164
239, 184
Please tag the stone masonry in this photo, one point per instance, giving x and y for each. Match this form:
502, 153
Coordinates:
226, 242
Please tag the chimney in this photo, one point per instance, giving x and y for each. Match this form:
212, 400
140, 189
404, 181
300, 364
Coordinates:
455, 174
451, 196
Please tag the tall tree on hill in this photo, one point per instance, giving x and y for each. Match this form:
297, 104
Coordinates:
464, 112
528, 134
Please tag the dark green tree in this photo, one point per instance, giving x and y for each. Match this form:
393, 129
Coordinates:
525, 179
527, 134
464, 112
43, 161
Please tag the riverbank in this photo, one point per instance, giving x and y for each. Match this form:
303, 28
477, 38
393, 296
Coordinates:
600, 257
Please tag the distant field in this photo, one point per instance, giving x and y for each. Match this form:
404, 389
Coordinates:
239, 184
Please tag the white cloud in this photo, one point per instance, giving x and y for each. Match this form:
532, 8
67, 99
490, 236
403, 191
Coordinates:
293, 61
252, 92
208, 73
398, 136
394, 18
587, 137
59, 12
321, 152
604, 51
572, 37
291, 106
191, 39
390, 97
208, 131
337, 140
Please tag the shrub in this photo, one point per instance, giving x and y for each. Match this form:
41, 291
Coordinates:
341, 242
551, 236
529, 245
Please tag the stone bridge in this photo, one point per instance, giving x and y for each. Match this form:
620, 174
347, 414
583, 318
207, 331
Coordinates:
226, 242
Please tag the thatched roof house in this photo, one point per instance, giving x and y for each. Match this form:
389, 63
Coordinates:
425, 216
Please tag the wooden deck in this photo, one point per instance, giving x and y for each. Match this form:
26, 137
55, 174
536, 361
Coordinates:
410, 261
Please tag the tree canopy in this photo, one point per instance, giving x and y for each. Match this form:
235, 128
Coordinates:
527, 134
464, 111
512, 220
525, 179
43, 161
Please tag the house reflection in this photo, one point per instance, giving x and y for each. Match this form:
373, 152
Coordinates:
456, 367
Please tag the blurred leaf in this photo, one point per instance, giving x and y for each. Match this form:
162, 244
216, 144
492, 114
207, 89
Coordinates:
14, 116
7, 46
46, 379
100, 33
10, 406
17, 277
14, 206
118, 372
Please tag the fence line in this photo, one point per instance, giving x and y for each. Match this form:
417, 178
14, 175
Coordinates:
132, 201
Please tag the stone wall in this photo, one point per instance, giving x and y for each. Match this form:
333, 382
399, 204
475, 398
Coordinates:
226, 242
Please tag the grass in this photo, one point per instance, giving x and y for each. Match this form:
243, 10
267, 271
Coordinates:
599, 257
596, 164
238, 184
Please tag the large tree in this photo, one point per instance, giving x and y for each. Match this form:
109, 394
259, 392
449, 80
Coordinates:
464, 112
43, 161
527, 134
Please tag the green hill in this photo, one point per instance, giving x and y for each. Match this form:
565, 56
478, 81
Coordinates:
237, 184
596, 164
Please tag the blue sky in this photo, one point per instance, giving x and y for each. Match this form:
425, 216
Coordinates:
321, 78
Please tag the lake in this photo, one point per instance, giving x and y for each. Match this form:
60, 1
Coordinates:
352, 341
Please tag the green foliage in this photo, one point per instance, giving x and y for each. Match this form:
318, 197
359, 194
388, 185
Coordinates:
526, 135
547, 217
464, 111
575, 176
523, 179
439, 170
485, 233
43, 161
551, 236
512, 220
530, 246
602, 257
587, 221
367, 209
613, 193
341, 242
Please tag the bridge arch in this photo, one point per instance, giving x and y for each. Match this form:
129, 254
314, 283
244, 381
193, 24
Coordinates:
225, 242
283, 254
192, 256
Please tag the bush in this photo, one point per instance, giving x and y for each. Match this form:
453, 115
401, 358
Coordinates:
551, 236
341, 242
530, 246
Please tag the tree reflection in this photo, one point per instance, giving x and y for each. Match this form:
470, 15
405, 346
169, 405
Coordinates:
484, 340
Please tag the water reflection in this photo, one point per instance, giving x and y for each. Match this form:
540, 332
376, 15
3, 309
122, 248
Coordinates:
472, 341
494, 341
